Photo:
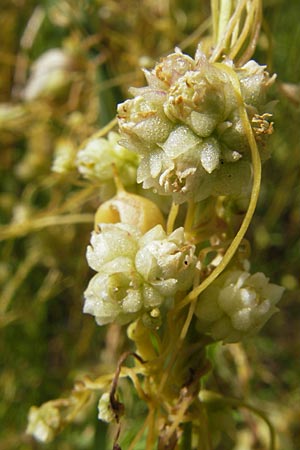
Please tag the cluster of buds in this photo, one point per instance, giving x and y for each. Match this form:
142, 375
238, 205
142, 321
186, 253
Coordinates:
98, 159
50, 74
137, 273
236, 305
44, 422
186, 126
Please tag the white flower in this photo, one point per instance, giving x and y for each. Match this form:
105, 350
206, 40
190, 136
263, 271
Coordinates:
167, 262
96, 161
136, 273
114, 240
43, 422
186, 126
105, 412
64, 157
50, 73
237, 304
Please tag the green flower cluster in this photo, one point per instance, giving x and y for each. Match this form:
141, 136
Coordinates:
237, 304
97, 160
50, 74
187, 128
137, 274
44, 422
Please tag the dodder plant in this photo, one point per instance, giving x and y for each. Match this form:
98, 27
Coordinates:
196, 135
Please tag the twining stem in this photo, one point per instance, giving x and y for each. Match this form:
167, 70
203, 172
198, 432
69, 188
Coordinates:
188, 224
251, 32
151, 433
233, 29
225, 13
139, 435
242, 36
256, 163
232, 24
102, 132
21, 229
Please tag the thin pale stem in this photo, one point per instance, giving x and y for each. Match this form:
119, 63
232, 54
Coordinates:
188, 224
151, 431
243, 35
225, 13
21, 229
250, 31
214, 4
139, 435
15, 282
255, 28
230, 30
104, 130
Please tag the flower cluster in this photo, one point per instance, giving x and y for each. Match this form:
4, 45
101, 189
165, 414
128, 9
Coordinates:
187, 128
49, 75
137, 274
44, 422
237, 304
64, 156
97, 160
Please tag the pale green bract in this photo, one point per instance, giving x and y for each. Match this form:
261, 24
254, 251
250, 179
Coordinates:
137, 274
236, 305
187, 129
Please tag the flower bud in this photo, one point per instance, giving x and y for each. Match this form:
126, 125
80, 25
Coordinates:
131, 209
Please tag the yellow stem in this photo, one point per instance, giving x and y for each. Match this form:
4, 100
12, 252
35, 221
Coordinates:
251, 29
192, 296
214, 5
104, 130
151, 431
140, 433
172, 217
28, 226
233, 22
255, 30
243, 34
224, 16
189, 219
